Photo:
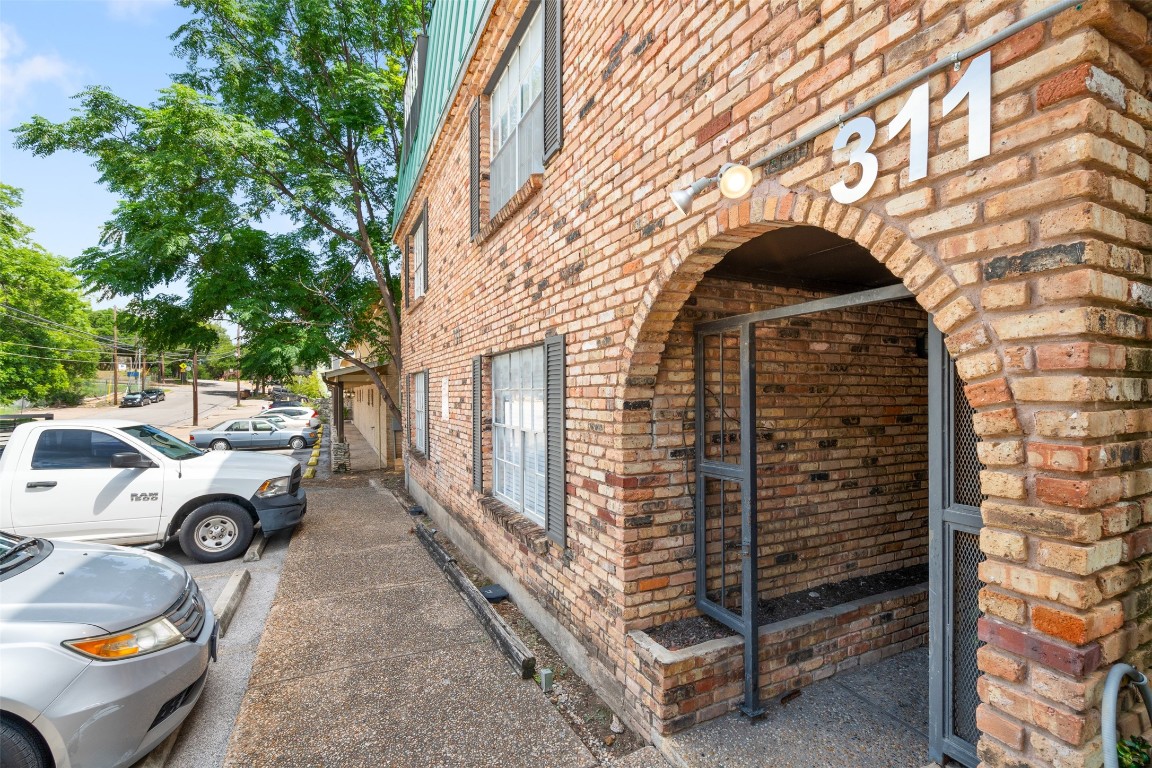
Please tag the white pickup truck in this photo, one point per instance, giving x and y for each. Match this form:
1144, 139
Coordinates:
122, 482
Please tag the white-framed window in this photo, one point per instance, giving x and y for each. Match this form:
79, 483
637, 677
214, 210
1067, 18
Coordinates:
519, 432
420, 411
517, 117
418, 270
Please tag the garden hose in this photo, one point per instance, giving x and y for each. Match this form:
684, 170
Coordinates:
1116, 677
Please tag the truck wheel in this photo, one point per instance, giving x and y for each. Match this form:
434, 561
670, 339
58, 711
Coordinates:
220, 445
217, 531
19, 745
297, 443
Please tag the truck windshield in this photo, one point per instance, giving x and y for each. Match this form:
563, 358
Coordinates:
172, 447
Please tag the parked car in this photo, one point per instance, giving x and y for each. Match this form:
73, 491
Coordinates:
104, 652
155, 394
134, 400
293, 415
122, 482
238, 434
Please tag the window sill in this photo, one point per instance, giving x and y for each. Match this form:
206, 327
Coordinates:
415, 301
527, 190
418, 455
528, 533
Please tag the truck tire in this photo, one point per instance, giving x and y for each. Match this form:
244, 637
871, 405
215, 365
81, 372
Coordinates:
19, 746
220, 445
216, 531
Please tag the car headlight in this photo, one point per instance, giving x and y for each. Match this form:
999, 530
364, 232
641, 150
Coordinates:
156, 635
277, 486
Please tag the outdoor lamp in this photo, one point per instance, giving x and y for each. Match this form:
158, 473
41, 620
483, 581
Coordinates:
683, 198
735, 180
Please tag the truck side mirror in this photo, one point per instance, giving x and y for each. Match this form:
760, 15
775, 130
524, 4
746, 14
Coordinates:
130, 460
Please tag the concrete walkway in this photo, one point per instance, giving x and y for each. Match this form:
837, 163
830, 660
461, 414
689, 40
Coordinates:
370, 658
867, 717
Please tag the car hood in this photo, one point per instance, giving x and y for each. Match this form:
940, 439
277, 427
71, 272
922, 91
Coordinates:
112, 588
253, 466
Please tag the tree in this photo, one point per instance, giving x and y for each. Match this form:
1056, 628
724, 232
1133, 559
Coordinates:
289, 105
46, 343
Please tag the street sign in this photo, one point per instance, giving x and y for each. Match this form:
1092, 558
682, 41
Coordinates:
183, 366
133, 374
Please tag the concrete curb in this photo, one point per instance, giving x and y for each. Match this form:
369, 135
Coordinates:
229, 600
256, 548
310, 473
513, 648
159, 754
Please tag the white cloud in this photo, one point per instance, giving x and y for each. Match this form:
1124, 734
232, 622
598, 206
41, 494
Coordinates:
138, 11
21, 75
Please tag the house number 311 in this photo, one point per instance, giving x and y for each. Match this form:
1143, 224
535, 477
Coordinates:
975, 85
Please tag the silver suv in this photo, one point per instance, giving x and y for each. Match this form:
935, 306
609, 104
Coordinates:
103, 652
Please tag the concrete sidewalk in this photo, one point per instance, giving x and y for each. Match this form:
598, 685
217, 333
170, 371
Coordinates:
370, 658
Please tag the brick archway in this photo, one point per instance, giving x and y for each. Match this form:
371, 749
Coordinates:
941, 290
1053, 584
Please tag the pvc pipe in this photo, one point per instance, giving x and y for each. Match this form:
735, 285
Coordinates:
1116, 677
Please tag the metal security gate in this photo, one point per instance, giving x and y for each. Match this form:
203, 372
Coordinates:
726, 560
726, 492
954, 556
726, 522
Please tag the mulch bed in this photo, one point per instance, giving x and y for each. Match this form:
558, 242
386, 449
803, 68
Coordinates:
699, 629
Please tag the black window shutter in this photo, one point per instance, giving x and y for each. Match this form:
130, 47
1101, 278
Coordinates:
474, 168
427, 255
404, 266
554, 421
553, 70
477, 425
427, 406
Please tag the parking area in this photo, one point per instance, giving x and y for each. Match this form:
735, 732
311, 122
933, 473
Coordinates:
203, 738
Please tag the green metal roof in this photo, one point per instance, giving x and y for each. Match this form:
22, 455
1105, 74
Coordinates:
451, 31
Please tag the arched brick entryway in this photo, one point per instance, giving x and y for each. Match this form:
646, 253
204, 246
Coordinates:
1040, 625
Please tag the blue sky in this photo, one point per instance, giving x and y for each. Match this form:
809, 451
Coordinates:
49, 51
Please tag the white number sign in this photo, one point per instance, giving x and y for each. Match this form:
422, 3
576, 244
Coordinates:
975, 86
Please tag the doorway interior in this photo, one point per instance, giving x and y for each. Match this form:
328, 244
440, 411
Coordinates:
835, 462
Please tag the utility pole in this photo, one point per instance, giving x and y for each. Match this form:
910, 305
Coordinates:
237, 365
195, 393
162, 371
115, 362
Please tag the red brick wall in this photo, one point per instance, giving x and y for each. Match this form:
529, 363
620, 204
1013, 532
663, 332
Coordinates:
678, 689
841, 444
1033, 262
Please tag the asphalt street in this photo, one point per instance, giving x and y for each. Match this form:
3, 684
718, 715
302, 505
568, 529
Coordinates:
174, 413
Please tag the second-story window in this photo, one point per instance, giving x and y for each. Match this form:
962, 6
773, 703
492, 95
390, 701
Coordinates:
517, 117
419, 259
525, 114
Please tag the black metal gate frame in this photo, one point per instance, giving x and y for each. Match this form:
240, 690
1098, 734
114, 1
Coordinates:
744, 473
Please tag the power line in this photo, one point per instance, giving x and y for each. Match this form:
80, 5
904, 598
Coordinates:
34, 319
54, 359
101, 350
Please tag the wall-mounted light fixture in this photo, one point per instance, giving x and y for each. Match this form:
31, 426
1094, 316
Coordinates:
734, 181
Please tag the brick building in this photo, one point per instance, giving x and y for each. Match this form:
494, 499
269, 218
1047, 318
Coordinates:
913, 357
